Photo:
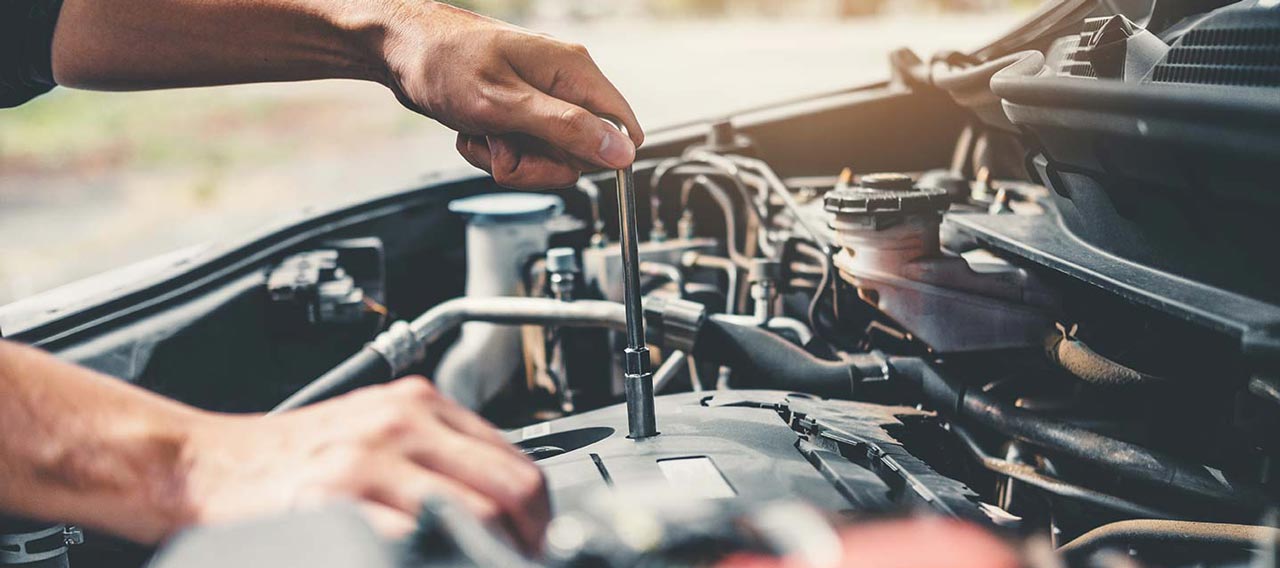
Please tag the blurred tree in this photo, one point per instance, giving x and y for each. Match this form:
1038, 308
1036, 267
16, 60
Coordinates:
699, 8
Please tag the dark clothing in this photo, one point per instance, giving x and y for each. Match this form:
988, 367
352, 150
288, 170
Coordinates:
26, 46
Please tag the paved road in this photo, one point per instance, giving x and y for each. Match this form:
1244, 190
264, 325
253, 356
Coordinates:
57, 226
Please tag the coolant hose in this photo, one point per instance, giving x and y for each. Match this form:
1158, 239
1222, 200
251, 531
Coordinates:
366, 367
1126, 459
1124, 534
767, 361
1074, 356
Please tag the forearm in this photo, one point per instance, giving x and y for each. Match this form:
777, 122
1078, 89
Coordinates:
80, 447
148, 44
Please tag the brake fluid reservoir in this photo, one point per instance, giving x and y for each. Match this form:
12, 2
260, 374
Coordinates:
503, 231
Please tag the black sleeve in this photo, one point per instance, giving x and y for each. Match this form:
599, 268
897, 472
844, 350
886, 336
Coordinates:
26, 42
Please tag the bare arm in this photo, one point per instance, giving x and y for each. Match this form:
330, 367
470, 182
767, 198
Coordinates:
522, 103
79, 447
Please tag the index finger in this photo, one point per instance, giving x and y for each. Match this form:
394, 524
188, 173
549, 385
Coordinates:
576, 79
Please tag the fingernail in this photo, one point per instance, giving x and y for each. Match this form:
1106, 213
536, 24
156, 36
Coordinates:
616, 150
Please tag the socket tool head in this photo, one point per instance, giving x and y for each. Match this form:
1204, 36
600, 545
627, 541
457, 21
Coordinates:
638, 378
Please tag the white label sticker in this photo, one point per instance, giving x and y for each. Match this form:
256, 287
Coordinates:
535, 431
698, 477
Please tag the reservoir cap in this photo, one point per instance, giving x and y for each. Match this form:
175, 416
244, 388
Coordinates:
508, 207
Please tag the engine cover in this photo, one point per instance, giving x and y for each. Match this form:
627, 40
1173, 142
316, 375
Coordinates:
760, 446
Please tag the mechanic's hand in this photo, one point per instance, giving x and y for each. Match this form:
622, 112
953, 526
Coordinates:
386, 447
524, 104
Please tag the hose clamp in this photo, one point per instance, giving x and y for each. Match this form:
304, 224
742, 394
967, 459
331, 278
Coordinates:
398, 346
39, 545
674, 323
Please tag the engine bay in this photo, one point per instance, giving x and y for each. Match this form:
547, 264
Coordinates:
1032, 288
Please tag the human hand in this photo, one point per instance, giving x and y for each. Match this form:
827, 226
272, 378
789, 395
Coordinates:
524, 105
388, 448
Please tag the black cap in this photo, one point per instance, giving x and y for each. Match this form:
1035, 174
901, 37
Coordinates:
888, 194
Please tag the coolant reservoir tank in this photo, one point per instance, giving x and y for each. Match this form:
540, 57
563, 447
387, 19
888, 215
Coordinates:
888, 227
503, 231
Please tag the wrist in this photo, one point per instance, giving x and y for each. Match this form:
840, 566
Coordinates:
382, 33
182, 498
370, 30
401, 43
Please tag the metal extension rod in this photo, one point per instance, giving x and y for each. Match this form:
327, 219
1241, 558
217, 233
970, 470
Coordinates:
638, 372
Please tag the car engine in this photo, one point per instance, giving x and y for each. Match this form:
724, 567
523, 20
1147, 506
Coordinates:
1032, 289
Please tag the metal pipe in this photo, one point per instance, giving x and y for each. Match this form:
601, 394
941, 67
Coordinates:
592, 191
446, 316
725, 204
1165, 533
638, 375
694, 259
687, 165
1031, 476
730, 270
664, 271
755, 218
403, 344
669, 370
780, 189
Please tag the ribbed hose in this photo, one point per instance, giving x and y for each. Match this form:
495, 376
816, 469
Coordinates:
1125, 459
1124, 534
1074, 356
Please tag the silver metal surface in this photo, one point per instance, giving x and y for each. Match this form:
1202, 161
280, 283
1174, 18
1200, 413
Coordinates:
727, 266
638, 379
1031, 476
670, 369
14, 548
398, 346
447, 316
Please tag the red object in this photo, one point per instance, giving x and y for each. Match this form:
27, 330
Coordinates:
909, 543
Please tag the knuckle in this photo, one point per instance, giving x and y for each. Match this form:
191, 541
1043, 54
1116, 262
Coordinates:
578, 48
488, 101
514, 179
575, 122
346, 467
486, 511
416, 389
390, 426
527, 484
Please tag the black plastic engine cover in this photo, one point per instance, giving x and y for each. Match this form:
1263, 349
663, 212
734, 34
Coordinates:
758, 445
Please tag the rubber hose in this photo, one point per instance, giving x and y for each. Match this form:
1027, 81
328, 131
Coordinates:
1151, 531
767, 361
1088, 365
1126, 459
366, 367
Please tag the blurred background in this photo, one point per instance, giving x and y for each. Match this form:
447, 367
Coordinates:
90, 182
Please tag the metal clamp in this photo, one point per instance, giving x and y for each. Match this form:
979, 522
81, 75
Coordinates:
398, 345
38, 545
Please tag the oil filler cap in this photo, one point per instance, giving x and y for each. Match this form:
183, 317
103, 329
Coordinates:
885, 194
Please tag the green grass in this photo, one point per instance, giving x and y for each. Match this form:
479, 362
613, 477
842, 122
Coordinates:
83, 130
